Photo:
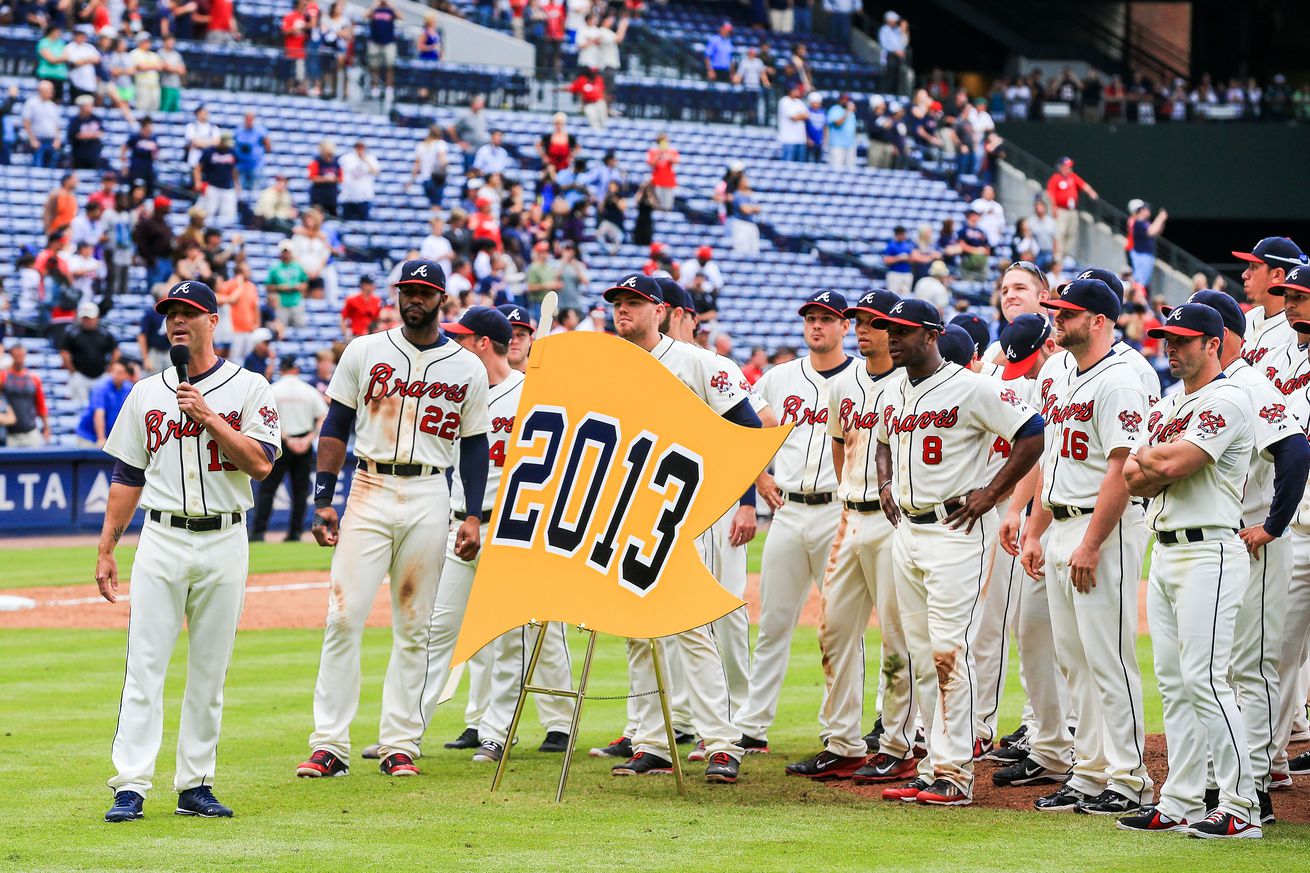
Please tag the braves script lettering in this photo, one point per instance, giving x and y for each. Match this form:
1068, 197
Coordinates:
795, 411
1287, 386
501, 424
852, 420
1171, 429
382, 383
1073, 411
160, 429
921, 421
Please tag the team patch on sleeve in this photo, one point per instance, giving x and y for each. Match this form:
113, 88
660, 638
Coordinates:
1130, 421
1274, 413
1011, 398
270, 416
1210, 423
721, 382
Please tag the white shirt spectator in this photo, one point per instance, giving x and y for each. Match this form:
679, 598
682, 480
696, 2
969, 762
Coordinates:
791, 131
576, 17
712, 278
932, 289
199, 136
437, 248
891, 39
589, 38
991, 218
44, 116
751, 71
357, 175
82, 76
431, 156
311, 252
482, 264
83, 229
492, 159
457, 285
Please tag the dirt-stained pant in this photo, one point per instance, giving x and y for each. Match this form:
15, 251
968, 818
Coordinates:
732, 632
1296, 642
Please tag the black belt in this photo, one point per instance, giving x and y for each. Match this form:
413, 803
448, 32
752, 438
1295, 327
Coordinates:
398, 469
1186, 535
1064, 513
460, 516
931, 517
815, 498
862, 505
194, 523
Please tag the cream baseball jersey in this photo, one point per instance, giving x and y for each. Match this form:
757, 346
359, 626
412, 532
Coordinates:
186, 472
502, 403
1146, 375
1265, 335
1287, 369
410, 404
854, 401
699, 372
939, 428
1272, 422
799, 395
1088, 415
1217, 419
998, 450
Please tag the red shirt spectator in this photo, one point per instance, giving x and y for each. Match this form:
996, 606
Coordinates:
483, 224
360, 311
590, 87
554, 13
662, 159
42, 266
294, 30
220, 16
1064, 186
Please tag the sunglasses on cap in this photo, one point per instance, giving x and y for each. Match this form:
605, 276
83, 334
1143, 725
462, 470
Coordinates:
1033, 269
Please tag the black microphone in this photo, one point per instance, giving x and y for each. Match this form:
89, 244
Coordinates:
180, 356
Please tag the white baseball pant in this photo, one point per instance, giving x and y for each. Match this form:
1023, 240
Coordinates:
1096, 646
392, 525
478, 669
510, 665
732, 632
1192, 599
1296, 643
1048, 694
199, 576
860, 578
939, 576
795, 557
999, 617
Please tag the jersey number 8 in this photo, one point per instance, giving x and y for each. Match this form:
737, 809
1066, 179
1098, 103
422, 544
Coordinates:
546, 427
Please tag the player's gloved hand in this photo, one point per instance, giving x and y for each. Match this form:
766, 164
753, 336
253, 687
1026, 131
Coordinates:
107, 577
742, 529
1010, 533
889, 507
324, 526
769, 490
976, 505
468, 539
1255, 536
1082, 567
1034, 562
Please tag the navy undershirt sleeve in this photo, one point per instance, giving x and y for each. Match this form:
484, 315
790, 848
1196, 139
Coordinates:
339, 423
270, 451
1032, 427
743, 414
474, 458
125, 474
1291, 465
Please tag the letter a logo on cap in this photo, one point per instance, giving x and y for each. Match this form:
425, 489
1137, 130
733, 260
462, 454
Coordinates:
1087, 275
422, 271
630, 282
823, 298
898, 308
515, 315
184, 288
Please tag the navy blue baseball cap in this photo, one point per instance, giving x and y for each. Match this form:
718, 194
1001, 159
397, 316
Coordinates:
1087, 295
833, 301
875, 302
977, 329
1298, 279
1276, 251
421, 272
482, 321
956, 345
675, 295
912, 312
1021, 340
517, 315
637, 283
1113, 282
1226, 306
1190, 319
196, 294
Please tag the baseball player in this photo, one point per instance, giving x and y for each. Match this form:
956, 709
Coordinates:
185, 450
1267, 265
935, 425
407, 393
1193, 466
1094, 414
302, 409
804, 488
639, 304
859, 578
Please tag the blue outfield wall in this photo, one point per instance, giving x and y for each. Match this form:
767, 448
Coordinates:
53, 491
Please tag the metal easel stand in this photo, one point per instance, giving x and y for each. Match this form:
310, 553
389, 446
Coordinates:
579, 696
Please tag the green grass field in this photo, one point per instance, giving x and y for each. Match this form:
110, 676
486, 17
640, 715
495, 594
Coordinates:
57, 717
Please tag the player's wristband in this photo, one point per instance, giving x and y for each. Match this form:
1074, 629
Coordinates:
325, 488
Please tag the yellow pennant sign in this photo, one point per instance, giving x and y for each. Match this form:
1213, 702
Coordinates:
614, 468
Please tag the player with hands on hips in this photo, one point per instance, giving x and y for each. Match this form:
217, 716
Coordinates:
186, 452
933, 428
1193, 464
408, 394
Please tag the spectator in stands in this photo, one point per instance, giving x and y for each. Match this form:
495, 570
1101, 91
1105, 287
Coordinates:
325, 178
935, 287
991, 215
138, 155
120, 226
216, 175
1142, 233
107, 398
574, 278
753, 76
145, 75
841, 126
221, 27
325, 364
663, 160
553, 15
42, 125
154, 241
492, 156
200, 134
85, 135
470, 130
312, 251
87, 351
459, 234
89, 226
744, 212
25, 396
839, 13
61, 205
1063, 190
261, 360
275, 210
894, 40
896, 258
52, 60
82, 58
589, 87
436, 247
1023, 245
301, 410
781, 18
792, 117
543, 277
718, 55
241, 297
1044, 231
295, 34
337, 34
974, 248
610, 219
461, 278
703, 264
382, 48
151, 340
431, 160
172, 69
755, 365
557, 148
360, 310
251, 142
429, 39
288, 280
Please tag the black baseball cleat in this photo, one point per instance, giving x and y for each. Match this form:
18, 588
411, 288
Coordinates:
722, 768
1027, 772
642, 764
372, 753
825, 766
489, 750
883, 767
200, 801
752, 746
1266, 808
683, 738
1065, 799
1009, 754
127, 807
620, 748
1021, 732
1300, 765
1108, 802
1150, 820
555, 741
873, 739
1210, 800
466, 740
322, 763
1220, 825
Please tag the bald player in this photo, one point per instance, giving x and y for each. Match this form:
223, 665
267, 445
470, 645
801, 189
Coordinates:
1267, 265
1193, 466
934, 425
805, 522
